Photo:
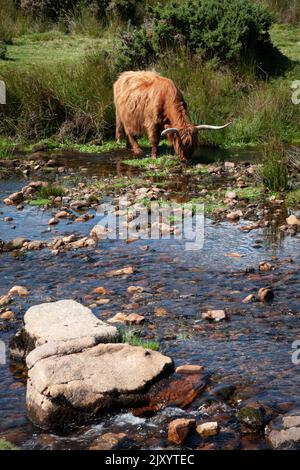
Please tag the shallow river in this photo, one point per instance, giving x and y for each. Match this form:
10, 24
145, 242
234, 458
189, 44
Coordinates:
252, 351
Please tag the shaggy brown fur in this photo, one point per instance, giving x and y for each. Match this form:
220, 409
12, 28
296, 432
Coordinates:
149, 103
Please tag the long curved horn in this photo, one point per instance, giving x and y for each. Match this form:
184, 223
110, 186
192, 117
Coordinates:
170, 130
206, 126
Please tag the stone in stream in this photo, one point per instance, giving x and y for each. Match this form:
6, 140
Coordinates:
208, 429
16, 244
265, 294
77, 382
253, 416
179, 430
56, 323
215, 315
284, 432
74, 370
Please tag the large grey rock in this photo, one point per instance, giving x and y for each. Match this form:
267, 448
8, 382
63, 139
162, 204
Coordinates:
59, 322
284, 431
88, 381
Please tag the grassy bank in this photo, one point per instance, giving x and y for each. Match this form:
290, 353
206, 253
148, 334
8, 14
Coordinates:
59, 87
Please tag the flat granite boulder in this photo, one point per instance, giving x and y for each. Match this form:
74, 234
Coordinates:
60, 322
85, 383
284, 432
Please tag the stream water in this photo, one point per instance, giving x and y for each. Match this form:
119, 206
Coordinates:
252, 351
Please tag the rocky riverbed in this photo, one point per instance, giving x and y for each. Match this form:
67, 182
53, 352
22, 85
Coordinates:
228, 313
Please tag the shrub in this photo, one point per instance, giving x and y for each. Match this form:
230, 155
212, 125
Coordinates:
212, 28
275, 173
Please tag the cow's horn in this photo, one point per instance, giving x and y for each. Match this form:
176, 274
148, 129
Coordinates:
206, 126
170, 130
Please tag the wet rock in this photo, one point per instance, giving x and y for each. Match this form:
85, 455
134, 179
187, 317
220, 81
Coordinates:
265, 294
189, 369
264, 266
111, 441
134, 319
35, 245
62, 215
53, 221
8, 219
215, 315
234, 216
100, 290
252, 416
18, 290
208, 429
179, 429
135, 289
284, 431
292, 220
8, 201
99, 232
16, 244
118, 318
249, 298
5, 300
121, 272
8, 315
16, 198
223, 391
54, 324
160, 312
79, 381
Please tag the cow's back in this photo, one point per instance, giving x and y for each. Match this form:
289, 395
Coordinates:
140, 97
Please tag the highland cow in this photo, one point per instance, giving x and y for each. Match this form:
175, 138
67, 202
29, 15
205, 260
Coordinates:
147, 103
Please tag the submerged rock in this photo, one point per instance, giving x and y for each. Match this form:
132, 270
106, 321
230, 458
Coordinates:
215, 315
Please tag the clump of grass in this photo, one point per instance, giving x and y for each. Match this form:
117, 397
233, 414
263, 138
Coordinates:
6, 445
293, 198
39, 202
274, 171
162, 163
6, 148
131, 337
50, 191
250, 192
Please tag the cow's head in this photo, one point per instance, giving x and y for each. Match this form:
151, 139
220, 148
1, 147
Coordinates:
185, 141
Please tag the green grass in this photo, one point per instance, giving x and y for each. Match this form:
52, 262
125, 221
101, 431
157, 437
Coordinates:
6, 148
132, 338
164, 162
293, 198
39, 202
287, 39
5, 445
250, 192
50, 191
51, 48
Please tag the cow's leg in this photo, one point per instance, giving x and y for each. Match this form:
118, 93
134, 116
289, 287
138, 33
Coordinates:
120, 134
153, 136
134, 144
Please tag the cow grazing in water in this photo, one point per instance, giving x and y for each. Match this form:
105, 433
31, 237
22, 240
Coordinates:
147, 103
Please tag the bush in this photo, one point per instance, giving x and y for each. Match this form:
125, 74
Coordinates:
231, 32
212, 28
